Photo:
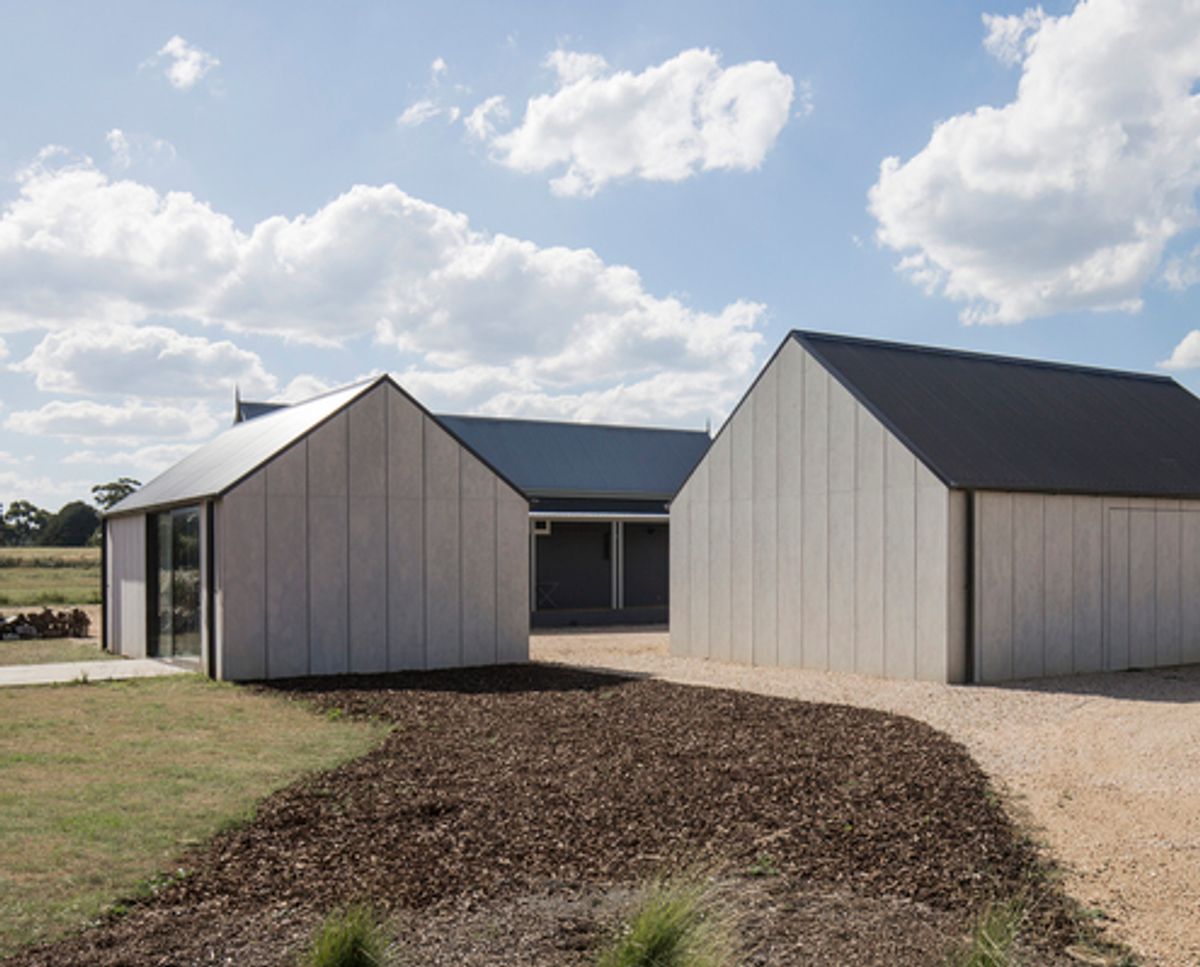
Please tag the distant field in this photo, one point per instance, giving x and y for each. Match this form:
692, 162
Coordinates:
49, 576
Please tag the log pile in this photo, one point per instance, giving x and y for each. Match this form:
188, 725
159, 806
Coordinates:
45, 624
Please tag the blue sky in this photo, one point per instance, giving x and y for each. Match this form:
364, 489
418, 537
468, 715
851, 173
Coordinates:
573, 211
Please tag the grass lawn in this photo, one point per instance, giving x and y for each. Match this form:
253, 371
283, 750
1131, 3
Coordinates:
103, 785
34, 652
38, 576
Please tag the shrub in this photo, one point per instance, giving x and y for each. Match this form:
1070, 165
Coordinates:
348, 938
678, 923
991, 942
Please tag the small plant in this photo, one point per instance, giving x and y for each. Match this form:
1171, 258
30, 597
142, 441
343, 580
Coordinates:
677, 924
991, 942
350, 937
763, 865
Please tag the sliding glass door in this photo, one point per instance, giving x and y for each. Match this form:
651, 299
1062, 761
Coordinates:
173, 594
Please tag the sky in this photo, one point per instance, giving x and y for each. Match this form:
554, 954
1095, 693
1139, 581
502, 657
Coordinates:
609, 212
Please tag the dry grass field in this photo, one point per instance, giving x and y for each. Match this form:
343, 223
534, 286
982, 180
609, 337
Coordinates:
49, 576
52, 650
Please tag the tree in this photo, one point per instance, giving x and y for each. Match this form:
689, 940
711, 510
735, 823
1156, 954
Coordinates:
71, 526
107, 494
25, 522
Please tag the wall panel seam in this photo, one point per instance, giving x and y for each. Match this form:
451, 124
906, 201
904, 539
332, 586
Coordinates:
349, 550
1042, 588
387, 529
459, 530
424, 543
266, 575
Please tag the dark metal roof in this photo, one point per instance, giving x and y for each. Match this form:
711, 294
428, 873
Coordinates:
1000, 423
249, 410
548, 459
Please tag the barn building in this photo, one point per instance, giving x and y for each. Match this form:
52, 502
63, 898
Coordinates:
598, 508
912, 512
354, 532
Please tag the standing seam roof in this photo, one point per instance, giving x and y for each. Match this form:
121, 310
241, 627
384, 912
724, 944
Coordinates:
556, 459
1002, 423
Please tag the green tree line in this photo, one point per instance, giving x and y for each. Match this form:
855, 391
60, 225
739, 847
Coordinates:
24, 524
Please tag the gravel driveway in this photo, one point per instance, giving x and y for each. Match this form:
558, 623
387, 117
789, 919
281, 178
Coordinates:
1105, 768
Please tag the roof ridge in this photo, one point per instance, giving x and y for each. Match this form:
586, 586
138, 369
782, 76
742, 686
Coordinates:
570, 423
803, 335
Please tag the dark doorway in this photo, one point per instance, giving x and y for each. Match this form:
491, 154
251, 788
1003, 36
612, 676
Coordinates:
574, 567
647, 552
173, 592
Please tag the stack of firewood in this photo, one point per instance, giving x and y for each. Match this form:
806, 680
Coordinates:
45, 624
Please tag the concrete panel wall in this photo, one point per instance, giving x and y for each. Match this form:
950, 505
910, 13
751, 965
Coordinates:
242, 580
367, 453
126, 577
377, 543
837, 549
329, 547
1075, 584
1151, 611
287, 563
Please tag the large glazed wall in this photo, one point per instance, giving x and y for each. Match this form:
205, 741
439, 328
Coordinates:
376, 543
126, 586
1072, 584
810, 536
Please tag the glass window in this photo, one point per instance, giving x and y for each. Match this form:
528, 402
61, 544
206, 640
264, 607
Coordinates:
174, 592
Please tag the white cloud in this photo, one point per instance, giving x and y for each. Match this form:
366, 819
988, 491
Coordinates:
805, 100
140, 462
1186, 355
128, 150
1182, 271
304, 387
146, 361
562, 327
437, 68
42, 490
133, 421
672, 120
1009, 39
1066, 198
79, 249
418, 113
3, 349
479, 122
186, 65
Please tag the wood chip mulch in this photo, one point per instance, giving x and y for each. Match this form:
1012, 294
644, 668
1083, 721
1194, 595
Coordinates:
512, 813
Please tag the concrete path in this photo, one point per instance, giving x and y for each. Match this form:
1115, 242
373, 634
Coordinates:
1105, 768
95, 671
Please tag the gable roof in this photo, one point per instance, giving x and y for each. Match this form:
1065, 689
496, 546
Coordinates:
1001, 423
555, 459
216, 467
